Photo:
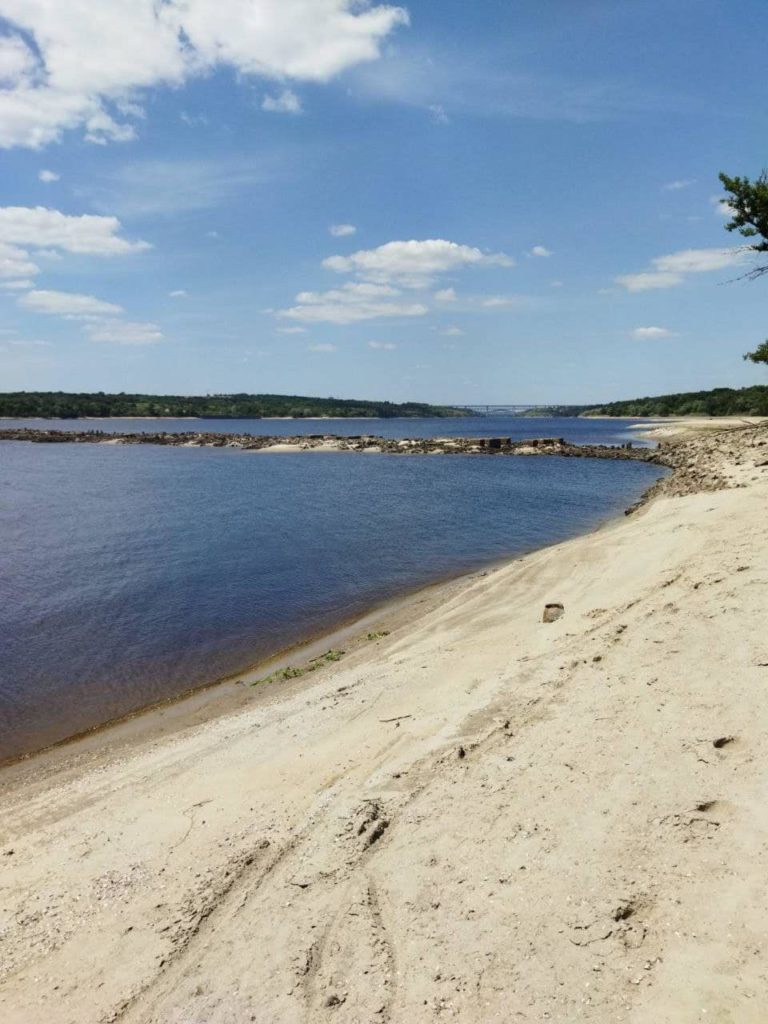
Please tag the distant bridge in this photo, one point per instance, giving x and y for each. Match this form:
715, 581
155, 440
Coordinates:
496, 410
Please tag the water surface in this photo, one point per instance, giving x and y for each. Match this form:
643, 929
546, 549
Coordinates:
129, 574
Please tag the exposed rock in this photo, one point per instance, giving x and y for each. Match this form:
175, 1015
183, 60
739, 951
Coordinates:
553, 612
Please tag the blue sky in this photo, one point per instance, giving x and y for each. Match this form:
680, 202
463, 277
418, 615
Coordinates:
501, 201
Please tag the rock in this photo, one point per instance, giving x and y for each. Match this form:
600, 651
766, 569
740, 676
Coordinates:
552, 612
722, 741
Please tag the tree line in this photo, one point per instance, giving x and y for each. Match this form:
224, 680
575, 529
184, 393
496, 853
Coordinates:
751, 401
64, 405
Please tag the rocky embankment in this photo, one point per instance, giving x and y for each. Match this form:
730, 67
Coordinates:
710, 462
333, 442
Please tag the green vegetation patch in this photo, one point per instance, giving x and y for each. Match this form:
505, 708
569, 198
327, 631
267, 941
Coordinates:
294, 673
63, 405
752, 401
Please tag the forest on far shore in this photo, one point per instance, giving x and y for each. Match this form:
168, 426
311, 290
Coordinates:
751, 401
62, 405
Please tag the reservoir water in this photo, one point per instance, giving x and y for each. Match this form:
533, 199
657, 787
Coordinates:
130, 574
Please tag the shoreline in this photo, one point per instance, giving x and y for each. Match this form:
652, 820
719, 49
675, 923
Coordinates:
479, 810
226, 694
229, 693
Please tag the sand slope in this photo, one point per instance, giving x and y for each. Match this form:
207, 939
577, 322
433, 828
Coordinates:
478, 818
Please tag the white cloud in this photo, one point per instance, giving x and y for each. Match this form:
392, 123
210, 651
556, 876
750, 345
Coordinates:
555, 284
69, 304
291, 330
452, 332
15, 263
16, 59
17, 286
350, 304
286, 102
124, 332
721, 206
323, 347
652, 333
178, 293
382, 346
681, 183
540, 250
698, 261
669, 271
646, 281
413, 264
86, 234
503, 301
86, 62
48, 176
342, 230
445, 295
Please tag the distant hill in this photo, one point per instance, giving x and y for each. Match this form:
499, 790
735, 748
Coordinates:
62, 405
751, 401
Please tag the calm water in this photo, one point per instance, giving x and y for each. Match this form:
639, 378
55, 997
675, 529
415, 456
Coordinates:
129, 574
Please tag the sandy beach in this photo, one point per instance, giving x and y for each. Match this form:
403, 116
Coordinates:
477, 817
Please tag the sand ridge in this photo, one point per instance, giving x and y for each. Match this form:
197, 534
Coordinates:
480, 817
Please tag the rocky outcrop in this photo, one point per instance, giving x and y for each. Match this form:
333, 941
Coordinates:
309, 442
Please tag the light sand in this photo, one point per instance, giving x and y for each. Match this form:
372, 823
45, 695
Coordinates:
478, 818
663, 428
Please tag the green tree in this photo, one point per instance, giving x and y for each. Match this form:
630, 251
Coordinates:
760, 355
748, 206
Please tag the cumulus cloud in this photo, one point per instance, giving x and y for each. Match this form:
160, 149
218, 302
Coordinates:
342, 230
652, 333
124, 332
413, 264
15, 263
540, 250
670, 271
69, 304
292, 330
82, 65
445, 295
382, 346
286, 102
452, 332
178, 293
350, 304
48, 176
86, 234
